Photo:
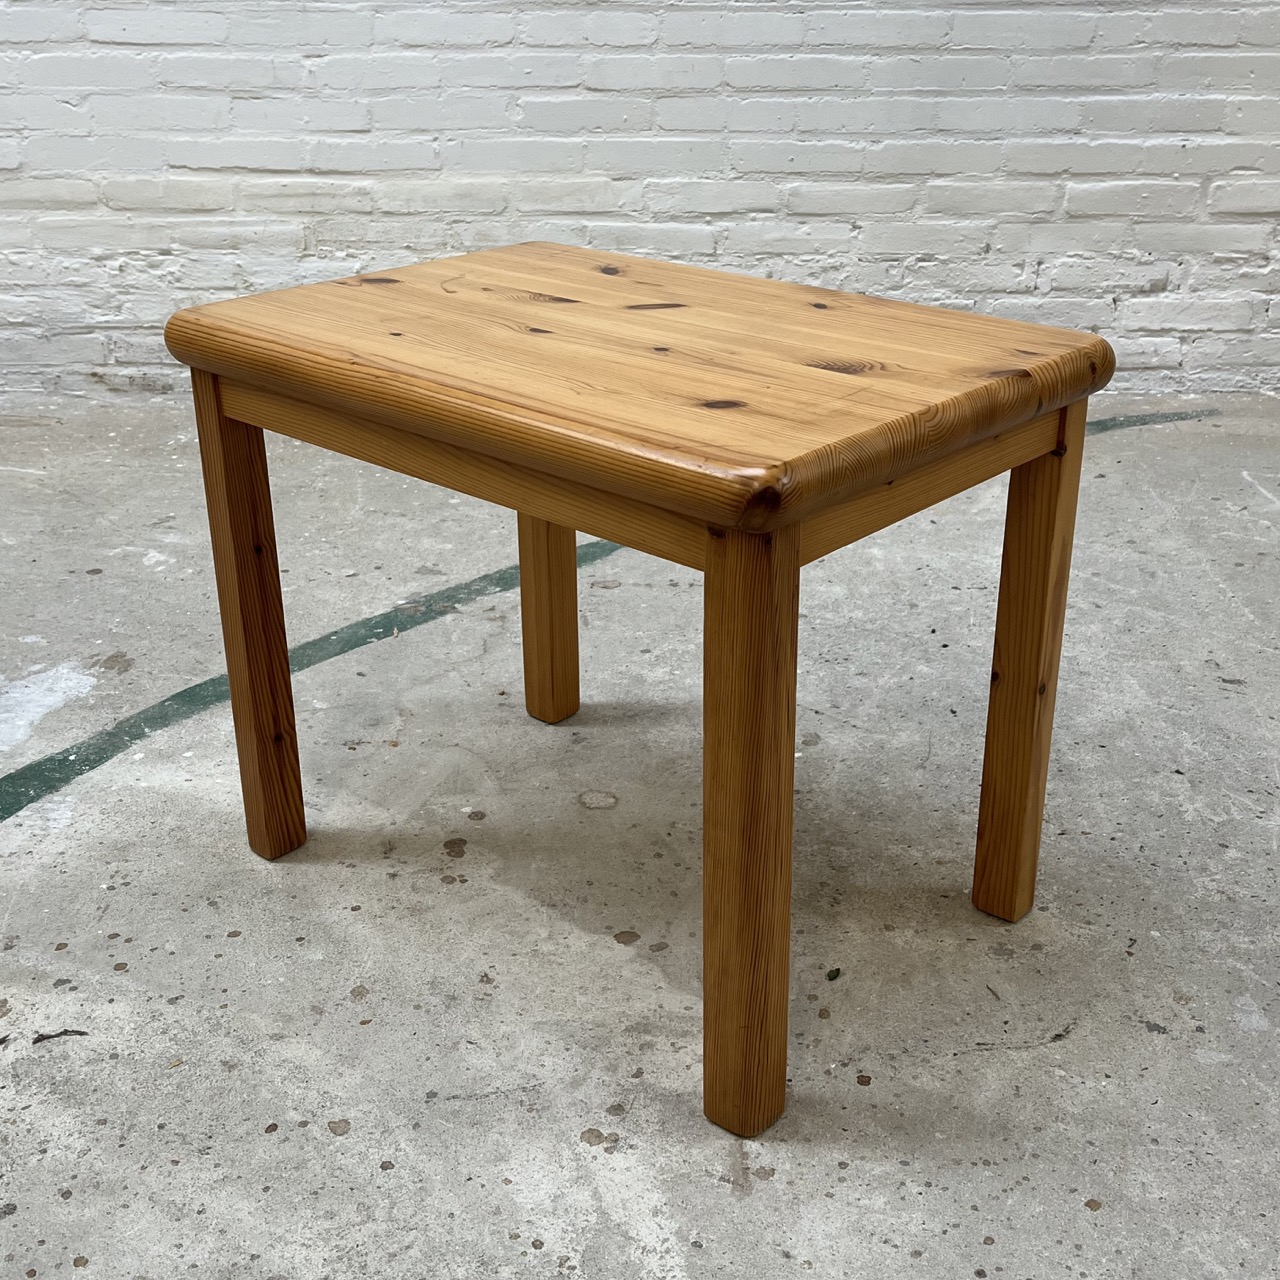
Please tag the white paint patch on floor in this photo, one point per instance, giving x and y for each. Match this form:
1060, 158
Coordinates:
24, 703
55, 812
1249, 1016
1266, 493
151, 559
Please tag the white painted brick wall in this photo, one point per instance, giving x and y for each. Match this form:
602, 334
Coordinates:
1095, 163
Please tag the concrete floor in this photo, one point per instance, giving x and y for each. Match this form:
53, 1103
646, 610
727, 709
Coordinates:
458, 1033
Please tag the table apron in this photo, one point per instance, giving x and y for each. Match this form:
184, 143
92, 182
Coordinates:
606, 515
845, 522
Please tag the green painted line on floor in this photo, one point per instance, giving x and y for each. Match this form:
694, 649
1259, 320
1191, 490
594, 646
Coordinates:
1099, 425
51, 773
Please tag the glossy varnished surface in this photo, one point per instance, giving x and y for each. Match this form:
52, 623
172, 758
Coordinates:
726, 398
1039, 528
731, 424
238, 496
751, 614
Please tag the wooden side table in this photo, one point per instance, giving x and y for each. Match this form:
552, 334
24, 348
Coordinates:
735, 425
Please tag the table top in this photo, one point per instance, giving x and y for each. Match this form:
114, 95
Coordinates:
725, 397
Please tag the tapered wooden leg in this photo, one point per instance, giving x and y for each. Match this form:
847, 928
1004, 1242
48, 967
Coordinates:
1024, 672
549, 618
749, 729
244, 561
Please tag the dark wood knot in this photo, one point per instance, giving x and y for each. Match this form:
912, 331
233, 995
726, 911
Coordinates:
854, 368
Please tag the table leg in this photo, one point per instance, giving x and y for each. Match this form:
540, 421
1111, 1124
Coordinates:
749, 725
549, 618
1024, 672
244, 560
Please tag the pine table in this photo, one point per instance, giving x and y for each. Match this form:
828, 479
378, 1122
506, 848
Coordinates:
735, 425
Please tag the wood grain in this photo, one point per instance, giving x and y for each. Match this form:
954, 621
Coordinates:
855, 518
649, 529
244, 559
549, 618
749, 719
1039, 529
726, 399
731, 424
